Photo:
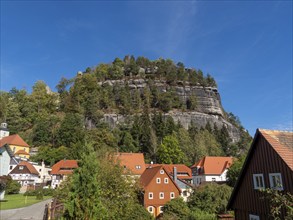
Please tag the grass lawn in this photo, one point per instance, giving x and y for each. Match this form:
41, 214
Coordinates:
18, 201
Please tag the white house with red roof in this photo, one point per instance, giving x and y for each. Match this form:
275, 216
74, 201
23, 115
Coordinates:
25, 173
61, 170
211, 169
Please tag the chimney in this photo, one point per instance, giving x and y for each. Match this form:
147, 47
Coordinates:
175, 174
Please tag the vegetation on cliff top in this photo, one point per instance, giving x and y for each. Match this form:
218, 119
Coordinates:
57, 122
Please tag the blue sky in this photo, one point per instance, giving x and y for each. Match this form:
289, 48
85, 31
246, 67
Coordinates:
245, 45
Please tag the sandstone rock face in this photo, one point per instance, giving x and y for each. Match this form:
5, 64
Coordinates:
209, 108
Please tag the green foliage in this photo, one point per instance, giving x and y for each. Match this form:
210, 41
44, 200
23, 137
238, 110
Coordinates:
44, 192
211, 198
176, 209
234, 171
51, 155
169, 151
97, 190
280, 203
83, 201
12, 186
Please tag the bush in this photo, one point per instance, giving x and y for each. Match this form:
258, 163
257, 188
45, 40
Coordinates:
12, 187
44, 192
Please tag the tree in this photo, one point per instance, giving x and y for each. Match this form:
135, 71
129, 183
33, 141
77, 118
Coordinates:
169, 151
211, 198
84, 199
176, 209
279, 202
234, 171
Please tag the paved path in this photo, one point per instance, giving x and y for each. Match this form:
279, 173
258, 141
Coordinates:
33, 212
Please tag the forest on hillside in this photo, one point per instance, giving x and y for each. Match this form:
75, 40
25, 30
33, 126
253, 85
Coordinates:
56, 123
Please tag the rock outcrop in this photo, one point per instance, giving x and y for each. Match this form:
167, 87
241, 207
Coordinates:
208, 110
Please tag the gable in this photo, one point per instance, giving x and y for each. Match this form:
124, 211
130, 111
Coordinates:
262, 159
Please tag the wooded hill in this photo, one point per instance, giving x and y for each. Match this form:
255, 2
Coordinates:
56, 123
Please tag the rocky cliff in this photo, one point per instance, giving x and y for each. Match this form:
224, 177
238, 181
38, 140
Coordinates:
208, 108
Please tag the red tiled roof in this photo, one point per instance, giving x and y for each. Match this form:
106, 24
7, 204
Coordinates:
214, 165
30, 167
133, 162
64, 167
148, 175
14, 139
181, 168
21, 152
282, 142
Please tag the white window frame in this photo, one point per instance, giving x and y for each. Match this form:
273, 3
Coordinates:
255, 176
151, 195
151, 209
166, 180
158, 181
161, 209
253, 217
162, 172
162, 195
172, 195
271, 176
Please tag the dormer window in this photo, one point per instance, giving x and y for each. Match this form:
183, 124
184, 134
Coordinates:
21, 167
137, 167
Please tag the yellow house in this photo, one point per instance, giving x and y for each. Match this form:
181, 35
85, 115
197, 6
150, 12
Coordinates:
18, 146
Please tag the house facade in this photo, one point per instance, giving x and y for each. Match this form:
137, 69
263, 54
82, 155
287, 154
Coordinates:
181, 175
211, 169
4, 132
6, 155
61, 170
25, 174
18, 146
269, 164
158, 189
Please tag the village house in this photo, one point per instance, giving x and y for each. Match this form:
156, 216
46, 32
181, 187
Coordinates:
61, 170
6, 158
211, 169
269, 164
182, 176
18, 146
158, 189
133, 163
25, 174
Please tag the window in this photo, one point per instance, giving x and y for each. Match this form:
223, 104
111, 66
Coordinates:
40, 170
137, 167
214, 179
161, 209
158, 180
10, 167
21, 167
172, 195
258, 181
161, 171
150, 209
166, 180
161, 195
253, 217
151, 195
276, 181
184, 193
